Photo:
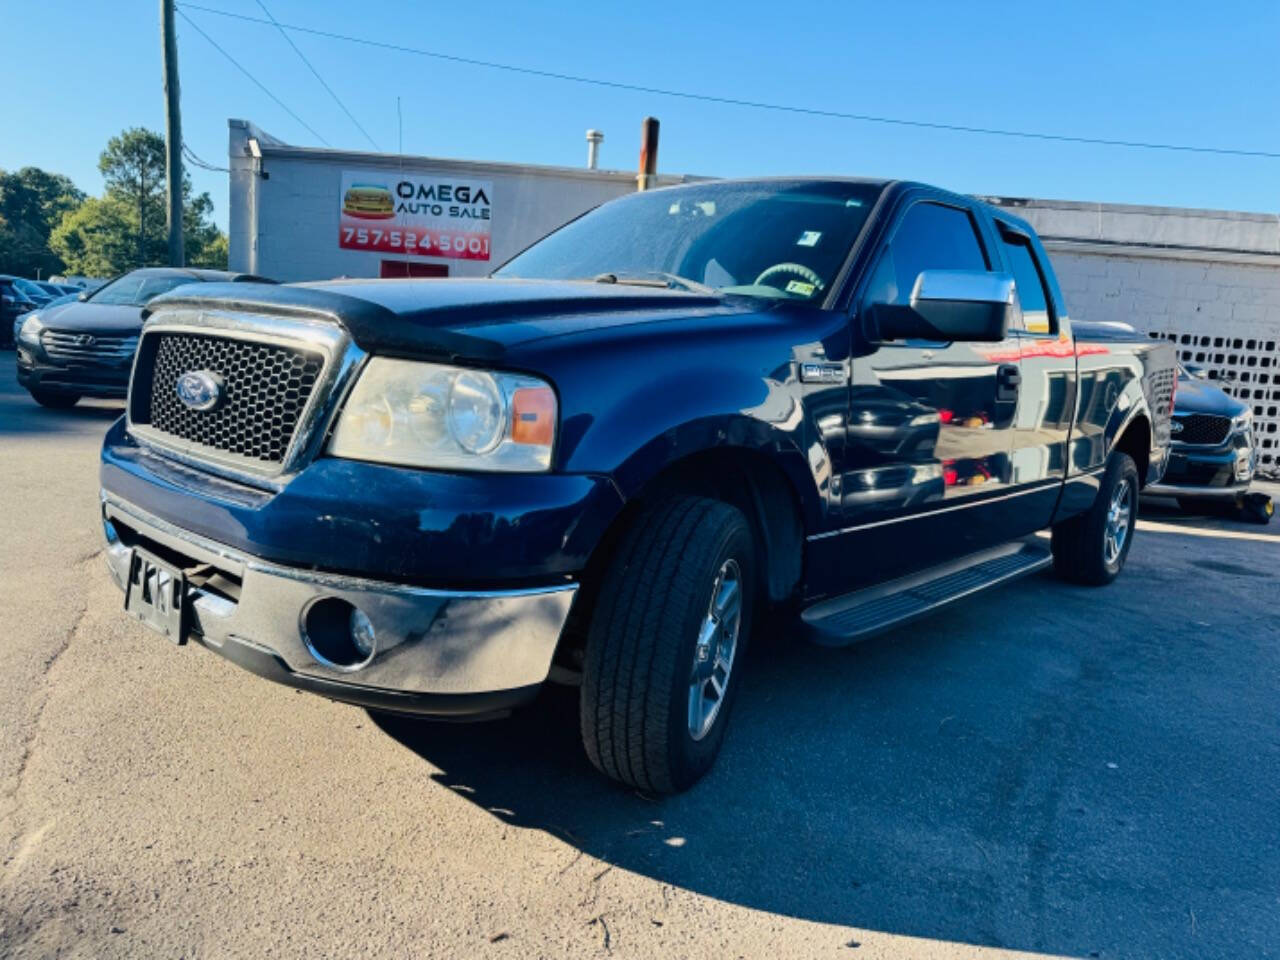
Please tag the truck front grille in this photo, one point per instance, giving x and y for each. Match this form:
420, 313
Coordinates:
88, 348
265, 388
1202, 429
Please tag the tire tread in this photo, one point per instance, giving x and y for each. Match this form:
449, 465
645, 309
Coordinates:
654, 576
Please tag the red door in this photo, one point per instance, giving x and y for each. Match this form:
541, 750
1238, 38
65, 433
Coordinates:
407, 268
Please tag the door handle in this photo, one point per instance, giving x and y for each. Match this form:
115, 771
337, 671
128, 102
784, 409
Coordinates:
1008, 379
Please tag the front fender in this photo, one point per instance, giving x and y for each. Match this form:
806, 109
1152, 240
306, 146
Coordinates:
659, 420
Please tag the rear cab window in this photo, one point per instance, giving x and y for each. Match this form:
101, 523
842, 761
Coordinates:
1028, 277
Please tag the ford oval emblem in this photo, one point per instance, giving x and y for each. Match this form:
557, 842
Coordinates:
200, 389
1175, 426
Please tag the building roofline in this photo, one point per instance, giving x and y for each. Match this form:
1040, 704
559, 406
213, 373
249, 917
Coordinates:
1089, 206
274, 147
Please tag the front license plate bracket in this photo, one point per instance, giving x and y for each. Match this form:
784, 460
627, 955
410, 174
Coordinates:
155, 593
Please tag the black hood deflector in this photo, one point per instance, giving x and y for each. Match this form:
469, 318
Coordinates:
373, 327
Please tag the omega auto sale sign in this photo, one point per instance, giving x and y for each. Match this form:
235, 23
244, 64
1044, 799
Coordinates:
391, 212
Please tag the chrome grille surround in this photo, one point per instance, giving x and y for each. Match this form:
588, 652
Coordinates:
102, 349
340, 359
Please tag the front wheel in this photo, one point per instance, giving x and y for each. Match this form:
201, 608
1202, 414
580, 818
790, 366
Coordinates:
1091, 548
666, 643
1258, 508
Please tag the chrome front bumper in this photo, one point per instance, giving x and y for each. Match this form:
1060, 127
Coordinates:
436, 651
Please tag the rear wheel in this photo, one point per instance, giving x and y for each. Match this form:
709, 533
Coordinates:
55, 401
1258, 508
666, 644
1091, 548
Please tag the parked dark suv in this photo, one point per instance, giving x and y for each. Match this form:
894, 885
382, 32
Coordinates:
14, 302
85, 348
1213, 456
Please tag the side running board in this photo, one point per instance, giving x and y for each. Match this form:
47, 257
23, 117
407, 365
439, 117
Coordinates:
850, 617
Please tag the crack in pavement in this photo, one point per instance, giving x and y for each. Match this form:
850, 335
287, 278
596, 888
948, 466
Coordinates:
43, 689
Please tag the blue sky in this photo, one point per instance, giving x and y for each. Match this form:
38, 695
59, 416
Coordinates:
77, 72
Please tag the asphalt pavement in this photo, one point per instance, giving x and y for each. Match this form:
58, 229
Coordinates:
1045, 769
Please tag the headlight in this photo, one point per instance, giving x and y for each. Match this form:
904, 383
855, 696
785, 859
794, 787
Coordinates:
432, 415
30, 332
1243, 422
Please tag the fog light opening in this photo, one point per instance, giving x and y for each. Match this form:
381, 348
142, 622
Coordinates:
338, 634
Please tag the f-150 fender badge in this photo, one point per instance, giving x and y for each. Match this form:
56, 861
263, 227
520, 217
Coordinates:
822, 373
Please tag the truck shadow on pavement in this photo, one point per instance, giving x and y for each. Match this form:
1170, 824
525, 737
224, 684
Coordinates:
958, 780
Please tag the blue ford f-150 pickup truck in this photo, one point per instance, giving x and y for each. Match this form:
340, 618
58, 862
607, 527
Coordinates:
848, 400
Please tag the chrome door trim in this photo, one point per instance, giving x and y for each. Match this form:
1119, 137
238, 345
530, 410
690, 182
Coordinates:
1040, 488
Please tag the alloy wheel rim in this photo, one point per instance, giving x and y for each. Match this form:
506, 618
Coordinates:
715, 649
1119, 517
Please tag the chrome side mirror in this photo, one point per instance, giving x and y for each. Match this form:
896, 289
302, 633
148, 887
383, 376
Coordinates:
963, 305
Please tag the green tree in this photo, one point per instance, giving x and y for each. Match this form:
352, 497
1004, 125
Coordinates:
213, 254
132, 167
97, 239
32, 201
205, 244
126, 227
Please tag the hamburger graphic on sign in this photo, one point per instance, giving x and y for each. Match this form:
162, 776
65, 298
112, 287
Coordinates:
368, 201
415, 215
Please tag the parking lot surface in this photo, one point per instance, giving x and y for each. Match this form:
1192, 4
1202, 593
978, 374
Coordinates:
1045, 769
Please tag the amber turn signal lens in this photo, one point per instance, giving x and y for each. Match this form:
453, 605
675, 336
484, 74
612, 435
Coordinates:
533, 416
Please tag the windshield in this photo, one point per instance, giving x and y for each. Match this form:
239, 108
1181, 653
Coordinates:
136, 289
782, 239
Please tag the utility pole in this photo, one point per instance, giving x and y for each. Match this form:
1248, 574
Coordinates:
172, 134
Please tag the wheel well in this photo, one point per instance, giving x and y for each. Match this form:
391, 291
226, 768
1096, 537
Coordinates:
746, 479
1136, 442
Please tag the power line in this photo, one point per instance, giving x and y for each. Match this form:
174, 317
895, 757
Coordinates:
235, 63
195, 161
754, 104
316, 74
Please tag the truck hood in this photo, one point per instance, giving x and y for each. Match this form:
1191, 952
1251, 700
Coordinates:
1201, 396
479, 319
517, 311
89, 317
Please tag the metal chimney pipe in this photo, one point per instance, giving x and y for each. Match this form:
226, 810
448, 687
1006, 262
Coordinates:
648, 153
594, 139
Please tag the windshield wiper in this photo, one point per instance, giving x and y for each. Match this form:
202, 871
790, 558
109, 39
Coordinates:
655, 278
